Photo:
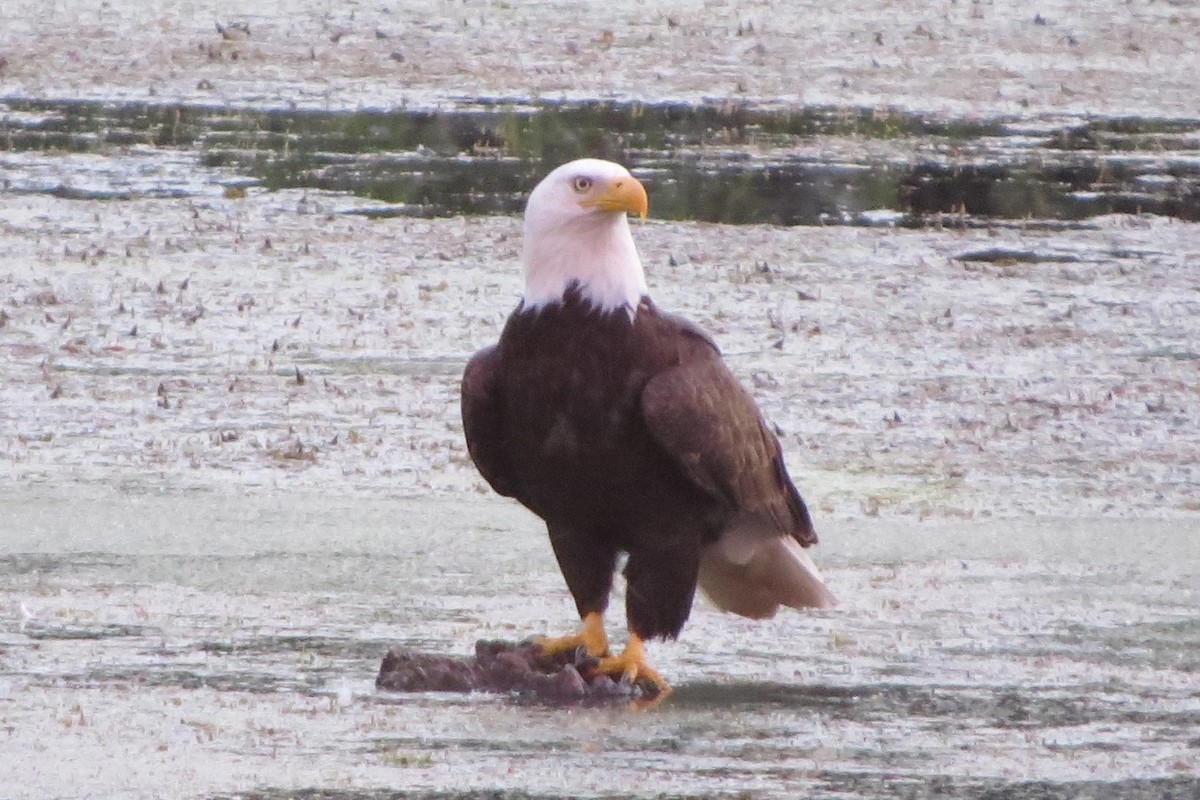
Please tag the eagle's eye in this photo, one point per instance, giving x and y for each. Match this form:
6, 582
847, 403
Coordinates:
581, 184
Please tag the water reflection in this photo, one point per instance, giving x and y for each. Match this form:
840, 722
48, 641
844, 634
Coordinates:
719, 163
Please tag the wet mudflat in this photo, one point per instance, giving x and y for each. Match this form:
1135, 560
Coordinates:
946, 58
863, 112
273, 344
227, 645
235, 478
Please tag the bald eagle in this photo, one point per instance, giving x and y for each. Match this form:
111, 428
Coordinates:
621, 427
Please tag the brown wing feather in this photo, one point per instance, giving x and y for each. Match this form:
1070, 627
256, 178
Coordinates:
706, 420
483, 419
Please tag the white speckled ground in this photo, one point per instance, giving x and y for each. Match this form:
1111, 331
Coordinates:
960, 58
913, 384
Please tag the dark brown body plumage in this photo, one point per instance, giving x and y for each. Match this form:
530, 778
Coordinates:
625, 435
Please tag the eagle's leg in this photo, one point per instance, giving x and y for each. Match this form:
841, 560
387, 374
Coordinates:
660, 584
587, 563
591, 638
632, 667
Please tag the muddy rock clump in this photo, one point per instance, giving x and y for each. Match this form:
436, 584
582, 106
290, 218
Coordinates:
519, 669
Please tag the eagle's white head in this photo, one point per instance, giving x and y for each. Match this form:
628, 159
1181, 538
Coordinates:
576, 231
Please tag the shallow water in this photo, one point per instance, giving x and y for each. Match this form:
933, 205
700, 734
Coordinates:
729, 162
228, 645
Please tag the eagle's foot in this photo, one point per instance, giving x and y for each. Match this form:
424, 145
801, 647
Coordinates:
591, 638
632, 668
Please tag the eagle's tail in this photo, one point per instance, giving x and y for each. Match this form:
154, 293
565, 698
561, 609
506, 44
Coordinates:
754, 576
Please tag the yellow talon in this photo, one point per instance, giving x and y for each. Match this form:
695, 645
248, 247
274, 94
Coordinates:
591, 637
631, 666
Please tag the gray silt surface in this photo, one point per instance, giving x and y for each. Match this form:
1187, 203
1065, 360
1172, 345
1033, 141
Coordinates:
227, 645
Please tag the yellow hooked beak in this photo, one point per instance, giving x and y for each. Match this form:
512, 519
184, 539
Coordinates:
623, 194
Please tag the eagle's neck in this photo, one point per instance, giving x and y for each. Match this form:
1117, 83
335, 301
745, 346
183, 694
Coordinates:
595, 253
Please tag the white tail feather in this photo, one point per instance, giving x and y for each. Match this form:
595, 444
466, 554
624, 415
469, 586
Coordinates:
755, 584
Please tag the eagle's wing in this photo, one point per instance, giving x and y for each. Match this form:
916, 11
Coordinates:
483, 419
706, 420
709, 424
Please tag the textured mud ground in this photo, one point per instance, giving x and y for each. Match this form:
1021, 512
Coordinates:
267, 344
231, 473
965, 57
